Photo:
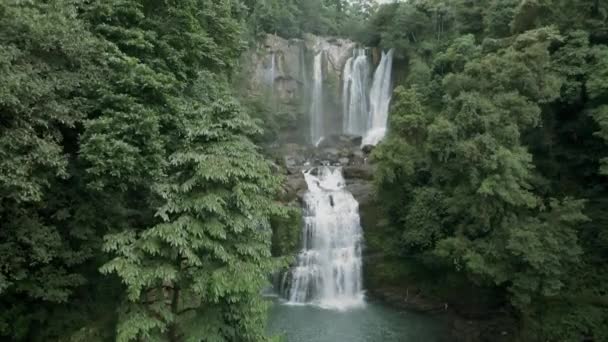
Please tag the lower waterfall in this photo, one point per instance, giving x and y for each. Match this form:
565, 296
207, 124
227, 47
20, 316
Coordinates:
329, 265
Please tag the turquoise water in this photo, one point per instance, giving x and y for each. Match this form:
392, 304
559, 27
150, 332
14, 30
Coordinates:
373, 323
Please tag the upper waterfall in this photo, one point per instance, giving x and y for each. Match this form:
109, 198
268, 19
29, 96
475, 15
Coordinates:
316, 106
380, 98
354, 93
365, 108
271, 73
328, 271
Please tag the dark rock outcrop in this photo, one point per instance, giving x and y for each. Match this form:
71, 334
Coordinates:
341, 141
362, 171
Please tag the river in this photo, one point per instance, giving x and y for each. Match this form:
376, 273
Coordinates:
372, 323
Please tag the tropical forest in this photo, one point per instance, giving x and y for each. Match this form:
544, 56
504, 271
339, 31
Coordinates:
304, 170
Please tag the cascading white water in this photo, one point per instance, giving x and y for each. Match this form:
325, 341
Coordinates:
303, 69
272, 70
328, 271
380, 98
316, 107
354, 94
347, 76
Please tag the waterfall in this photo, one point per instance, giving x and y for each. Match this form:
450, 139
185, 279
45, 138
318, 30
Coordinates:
316, 107
380, 97
271, 72
354, 94
303, 69
328, 271
347, 76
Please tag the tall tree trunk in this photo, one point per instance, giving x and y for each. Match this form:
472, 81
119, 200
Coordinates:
173, 331
596, 7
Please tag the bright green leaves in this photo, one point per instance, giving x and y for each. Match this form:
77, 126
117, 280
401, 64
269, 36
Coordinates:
496, 125
459, 53
213, 249
543, 250
49, 62
41, 60
461, 182
114, 111
425, 220
135, 322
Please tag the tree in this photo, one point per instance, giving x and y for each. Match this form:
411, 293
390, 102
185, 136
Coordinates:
111, 111
461, 182
198, 274
49, 63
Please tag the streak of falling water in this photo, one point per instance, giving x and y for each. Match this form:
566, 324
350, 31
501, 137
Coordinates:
347, 78
380, 98
316, 107
328, 271
272, 72
303, 70
354, 94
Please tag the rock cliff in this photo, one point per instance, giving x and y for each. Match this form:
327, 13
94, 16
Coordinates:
279, 71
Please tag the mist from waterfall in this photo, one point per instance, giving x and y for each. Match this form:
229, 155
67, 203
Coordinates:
354, 93
380, 98
316, 106
328, 271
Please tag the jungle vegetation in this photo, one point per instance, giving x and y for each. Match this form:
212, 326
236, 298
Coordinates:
135, 205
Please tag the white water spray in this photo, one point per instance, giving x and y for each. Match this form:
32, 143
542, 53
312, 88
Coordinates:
347, 78
271, 72
316, 107
328, 272
354, 94
380, 98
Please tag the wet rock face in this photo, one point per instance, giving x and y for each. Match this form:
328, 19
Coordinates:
286, 65
279, 72
362, 171
338, 150
294, 188
341, 141
337, 52
363, 191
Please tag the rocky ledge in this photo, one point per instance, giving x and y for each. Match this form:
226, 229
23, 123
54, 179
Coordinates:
336, 150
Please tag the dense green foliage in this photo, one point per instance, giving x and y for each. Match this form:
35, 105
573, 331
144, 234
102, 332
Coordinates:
135, 204
495, 160
292, 18
123, 151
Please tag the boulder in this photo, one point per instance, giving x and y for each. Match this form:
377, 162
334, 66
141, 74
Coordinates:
332, 155
294, 157
367, 149
357, 157
294, 187
363, 191
341, 141
293, 164
364, 172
